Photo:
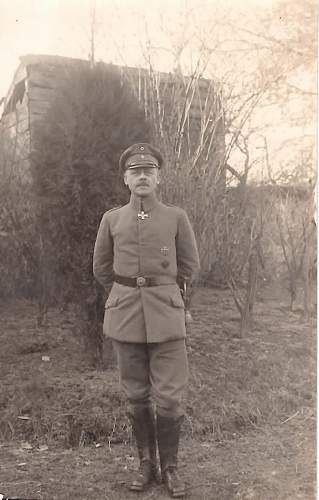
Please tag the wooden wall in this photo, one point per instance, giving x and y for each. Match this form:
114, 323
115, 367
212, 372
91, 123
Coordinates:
43, 77
15, 126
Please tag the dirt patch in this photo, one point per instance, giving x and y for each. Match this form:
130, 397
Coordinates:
249, 431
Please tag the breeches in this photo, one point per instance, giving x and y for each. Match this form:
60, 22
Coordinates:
157, 371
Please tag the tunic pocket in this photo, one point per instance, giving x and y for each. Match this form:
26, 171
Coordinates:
177, 301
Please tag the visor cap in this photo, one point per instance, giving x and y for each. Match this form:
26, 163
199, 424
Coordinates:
140, 155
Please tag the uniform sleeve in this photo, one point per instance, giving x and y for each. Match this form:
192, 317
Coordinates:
186, 249
103, 255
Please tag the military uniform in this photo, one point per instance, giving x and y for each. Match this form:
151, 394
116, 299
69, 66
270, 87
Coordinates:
162, 246
142, 251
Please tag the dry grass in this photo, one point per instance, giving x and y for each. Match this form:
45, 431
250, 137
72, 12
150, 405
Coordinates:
249, 430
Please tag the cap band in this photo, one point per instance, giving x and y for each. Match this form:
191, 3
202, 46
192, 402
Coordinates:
140, 154
138, 160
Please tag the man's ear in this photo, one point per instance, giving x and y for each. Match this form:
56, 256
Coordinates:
125, 179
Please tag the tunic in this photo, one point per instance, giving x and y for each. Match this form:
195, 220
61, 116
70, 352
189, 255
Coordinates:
160, 245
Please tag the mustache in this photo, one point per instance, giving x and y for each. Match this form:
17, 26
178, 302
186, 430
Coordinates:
142, 184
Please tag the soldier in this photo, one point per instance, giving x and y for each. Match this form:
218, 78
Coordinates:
145, 252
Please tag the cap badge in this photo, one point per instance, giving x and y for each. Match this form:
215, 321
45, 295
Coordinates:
142, 148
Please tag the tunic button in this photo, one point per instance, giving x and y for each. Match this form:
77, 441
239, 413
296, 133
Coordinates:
140, 281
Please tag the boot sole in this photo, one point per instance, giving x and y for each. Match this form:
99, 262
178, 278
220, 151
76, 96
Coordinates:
177, 493
136, 487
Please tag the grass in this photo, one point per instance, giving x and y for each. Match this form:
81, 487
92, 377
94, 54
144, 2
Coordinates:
250, 405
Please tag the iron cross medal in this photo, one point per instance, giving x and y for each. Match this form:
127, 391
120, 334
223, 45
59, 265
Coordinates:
142, 215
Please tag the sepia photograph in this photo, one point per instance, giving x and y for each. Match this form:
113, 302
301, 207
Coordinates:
158, 249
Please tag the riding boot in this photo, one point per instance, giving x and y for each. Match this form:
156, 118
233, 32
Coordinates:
168, 432
143, 425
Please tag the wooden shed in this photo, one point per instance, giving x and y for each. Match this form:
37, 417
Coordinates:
39, 79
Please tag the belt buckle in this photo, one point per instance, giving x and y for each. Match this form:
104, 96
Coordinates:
140, 281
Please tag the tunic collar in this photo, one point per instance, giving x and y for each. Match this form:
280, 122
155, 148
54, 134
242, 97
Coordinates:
146, 203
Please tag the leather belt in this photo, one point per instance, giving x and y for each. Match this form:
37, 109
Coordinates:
140, 281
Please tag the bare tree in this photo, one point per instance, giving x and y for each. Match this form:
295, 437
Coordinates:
92, 34
297, 240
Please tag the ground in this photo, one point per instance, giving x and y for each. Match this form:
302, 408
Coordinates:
249, 432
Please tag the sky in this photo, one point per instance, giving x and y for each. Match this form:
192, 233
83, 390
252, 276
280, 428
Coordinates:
122, 27
62, 27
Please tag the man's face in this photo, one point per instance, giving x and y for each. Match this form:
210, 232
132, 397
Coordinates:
142, 181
